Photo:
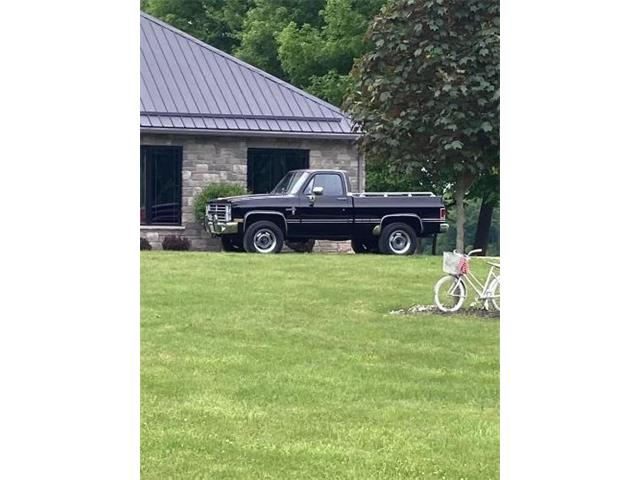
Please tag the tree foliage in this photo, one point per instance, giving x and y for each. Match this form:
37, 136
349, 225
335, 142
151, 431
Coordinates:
385, 176
216, 22
262, 25
427, 96
319, 58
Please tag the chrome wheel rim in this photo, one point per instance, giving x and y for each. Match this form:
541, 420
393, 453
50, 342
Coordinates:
399, 242
264, 241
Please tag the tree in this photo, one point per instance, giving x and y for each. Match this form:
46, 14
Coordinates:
473, 205
487, 189
216, 22
262, 25
427, 96
319, 58
311, 43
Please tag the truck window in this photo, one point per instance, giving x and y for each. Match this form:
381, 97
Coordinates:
331, 182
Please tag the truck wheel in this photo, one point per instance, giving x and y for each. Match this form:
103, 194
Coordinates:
263, 237
231, 243
398, 239
360, 245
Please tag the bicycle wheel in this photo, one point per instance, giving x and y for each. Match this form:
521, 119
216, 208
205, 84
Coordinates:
450, 293
494, 290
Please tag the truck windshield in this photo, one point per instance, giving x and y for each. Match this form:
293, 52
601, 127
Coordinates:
290, 183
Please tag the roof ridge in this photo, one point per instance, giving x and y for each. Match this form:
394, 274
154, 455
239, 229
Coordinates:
260, 72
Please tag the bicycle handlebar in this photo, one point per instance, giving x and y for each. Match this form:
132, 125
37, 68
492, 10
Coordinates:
468, 254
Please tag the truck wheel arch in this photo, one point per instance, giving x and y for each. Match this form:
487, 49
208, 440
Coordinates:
411, 219
271, 215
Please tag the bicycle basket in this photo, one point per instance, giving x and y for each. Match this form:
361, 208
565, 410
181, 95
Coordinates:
454, 263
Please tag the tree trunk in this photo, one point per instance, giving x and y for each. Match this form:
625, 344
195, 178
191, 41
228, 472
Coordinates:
462, 184
484, 224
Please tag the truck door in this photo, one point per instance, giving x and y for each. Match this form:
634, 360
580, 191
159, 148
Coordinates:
328, 215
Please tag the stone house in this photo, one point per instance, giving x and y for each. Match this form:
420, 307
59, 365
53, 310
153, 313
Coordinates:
208, 117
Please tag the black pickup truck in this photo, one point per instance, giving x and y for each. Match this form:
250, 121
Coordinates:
316, 205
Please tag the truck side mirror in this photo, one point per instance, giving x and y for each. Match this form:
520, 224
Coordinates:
316, 191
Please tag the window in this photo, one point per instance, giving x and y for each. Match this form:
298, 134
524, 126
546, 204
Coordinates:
160, 185
290, 183
266, 166
330, 182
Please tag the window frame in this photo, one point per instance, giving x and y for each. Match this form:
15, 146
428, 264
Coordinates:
312, 180
253, 152
149, 172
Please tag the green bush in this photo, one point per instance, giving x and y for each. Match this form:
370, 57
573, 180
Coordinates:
213, 191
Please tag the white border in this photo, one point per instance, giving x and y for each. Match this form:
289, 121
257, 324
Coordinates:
69, 344
569, 334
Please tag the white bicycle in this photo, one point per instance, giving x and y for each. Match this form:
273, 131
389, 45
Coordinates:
451, 291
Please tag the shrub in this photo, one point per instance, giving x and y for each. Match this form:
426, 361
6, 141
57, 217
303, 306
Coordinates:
213, 191
144, 244
173, 242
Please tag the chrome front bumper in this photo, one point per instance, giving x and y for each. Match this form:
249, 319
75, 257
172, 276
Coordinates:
215, 227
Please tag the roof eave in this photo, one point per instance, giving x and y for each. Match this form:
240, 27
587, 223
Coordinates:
251, 133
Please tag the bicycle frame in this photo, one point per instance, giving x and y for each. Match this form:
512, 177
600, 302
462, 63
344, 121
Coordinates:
480, 288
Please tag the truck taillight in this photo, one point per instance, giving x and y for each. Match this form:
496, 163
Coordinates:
443, 214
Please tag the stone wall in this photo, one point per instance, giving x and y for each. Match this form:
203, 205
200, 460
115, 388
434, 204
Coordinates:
330, 246
209, 159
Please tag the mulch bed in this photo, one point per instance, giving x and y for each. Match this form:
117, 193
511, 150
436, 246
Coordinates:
433, 310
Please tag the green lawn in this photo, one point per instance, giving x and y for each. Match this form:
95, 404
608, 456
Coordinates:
289, 366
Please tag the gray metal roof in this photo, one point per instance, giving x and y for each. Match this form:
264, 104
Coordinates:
187, 85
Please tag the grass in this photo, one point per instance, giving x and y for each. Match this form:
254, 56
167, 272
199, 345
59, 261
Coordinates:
289, 366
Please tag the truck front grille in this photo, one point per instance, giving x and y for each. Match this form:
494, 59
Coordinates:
221, 210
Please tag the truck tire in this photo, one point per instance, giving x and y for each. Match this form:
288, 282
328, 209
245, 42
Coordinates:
305, 246
231, 243
263, 237
398, 239
361, 245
